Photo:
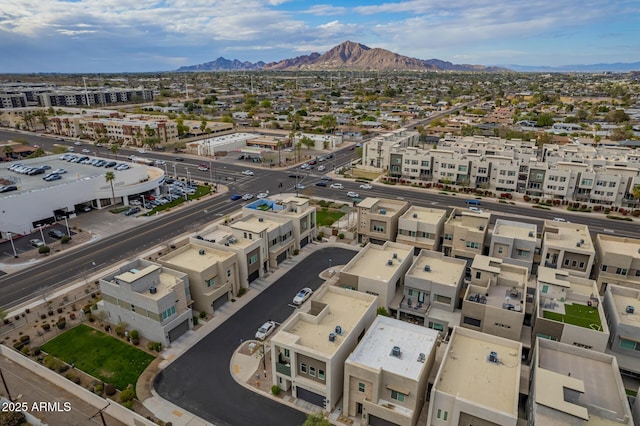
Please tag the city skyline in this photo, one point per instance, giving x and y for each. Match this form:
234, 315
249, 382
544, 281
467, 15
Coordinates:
162, 35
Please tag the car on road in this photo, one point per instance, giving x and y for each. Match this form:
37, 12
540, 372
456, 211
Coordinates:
560, 219
295, 176
203, 167
321, 168
302, 296
77, 143
56, 233
337, 186
160, 162
265, 330
475, 209
352, 194
288, 150
326, 178
36, 242
236, 197
365, 186
86, 151
247, 197
321, 183
247, 172
262, 195
132, 211
179, 159
299, 186
305, 166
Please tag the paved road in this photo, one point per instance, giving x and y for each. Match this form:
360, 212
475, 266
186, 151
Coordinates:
200, 382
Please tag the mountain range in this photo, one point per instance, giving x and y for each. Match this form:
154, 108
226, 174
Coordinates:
345, 56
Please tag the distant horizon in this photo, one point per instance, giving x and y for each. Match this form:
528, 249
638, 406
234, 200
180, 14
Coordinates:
84, 36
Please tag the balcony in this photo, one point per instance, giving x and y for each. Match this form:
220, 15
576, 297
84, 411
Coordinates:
411, 305
283, 369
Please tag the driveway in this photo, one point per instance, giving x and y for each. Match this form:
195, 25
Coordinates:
200, 381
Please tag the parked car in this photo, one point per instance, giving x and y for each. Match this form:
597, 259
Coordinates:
59, 171
352, 194
302, 296
365, 186
56, 233
236, 197
247, 173
132, 211
247, 197
337, 186
262, 195
8, 188
51, 177
36, 242
265, 330
560, 219
135, 203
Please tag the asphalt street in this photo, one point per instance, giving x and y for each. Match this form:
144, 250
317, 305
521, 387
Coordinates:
200, 382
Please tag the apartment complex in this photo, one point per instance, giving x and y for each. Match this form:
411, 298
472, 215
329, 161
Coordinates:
378, 219
422, 227
477, 382
567, 246
514, 242
464, 233
617, 262
376, 152
378, 270
309, 350
386, 376
575, 386
622, 310
495, 302
149, 298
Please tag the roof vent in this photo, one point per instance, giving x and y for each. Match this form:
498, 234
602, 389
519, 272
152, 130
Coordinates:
421, 357
153, 289
578, 244
332, 337
201, 252
260, 219
395, 255
338, 330
630, 309
395, 351
390, 262
427, 268
232, 240
531, 233
415, 215
383, 211
493, 357
581, 241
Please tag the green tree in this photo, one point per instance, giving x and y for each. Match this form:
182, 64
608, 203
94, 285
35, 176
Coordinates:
328, 123
8, 150
544, 120
316, 419
635, 191
3, 314
266, 103
617, 116
114, 149
39, 152
109, 177
203, 125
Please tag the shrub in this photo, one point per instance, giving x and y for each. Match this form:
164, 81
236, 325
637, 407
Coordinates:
295, 252
18, 346
241, 291
135, 342
120, 330
25, 351
73, 377
98, 388
35, 351
154, 346
60, 310
195, 320
65, 239
109, 389
44, 250
53, 363
25, 339
341, 236
134, 334
46, 326
275, 389
61, 324
87, 309
128, 394
203, 314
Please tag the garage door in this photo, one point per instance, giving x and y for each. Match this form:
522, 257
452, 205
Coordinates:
254, 275
178, 331
304, 241
217, 304
377, 421
311, 397
281, 257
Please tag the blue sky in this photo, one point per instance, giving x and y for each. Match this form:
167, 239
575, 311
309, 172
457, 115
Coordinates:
159, 35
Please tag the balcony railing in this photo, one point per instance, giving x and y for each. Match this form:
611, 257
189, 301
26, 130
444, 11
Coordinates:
283, 369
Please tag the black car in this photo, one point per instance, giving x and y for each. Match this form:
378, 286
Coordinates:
296, 176
8, 188
132, 211
321, 183
179, 159
57, 234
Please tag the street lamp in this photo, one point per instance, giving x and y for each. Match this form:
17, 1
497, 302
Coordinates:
264, 359
329, 263
66, 221
12, 246
175, 174
41, 233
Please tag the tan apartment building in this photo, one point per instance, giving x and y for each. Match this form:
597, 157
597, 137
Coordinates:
575, 386
431, 285
309, 350
298, 211
567, 246
617, 262
464, 233
378, 270
478, 381
275, 235
421, 227
378, 219
152, 299
514, 242
622, 310
386, 376
495, 301
569, 310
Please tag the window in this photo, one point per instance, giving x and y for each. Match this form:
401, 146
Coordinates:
442, 299
500, 250
210, 282
378, 228
545, 289
472, 321
603, 268
478, 275
448, 237
574, 263
502, 325
171, 311
521, 253
228, 273
629, 344
321, 374
621, 271
253, 259
446, 414
436, 326
581, 265
398, 396
303, 367
287, 353
312, 371
361, 387
439, 413
413, 293
473, 245
566, 262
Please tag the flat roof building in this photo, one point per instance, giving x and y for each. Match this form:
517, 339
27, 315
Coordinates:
378, 219
622, 309
421, 227
464, 233
567, 246
617, 262
386, 376
514, 242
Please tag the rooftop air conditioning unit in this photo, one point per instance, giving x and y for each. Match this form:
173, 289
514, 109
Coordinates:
201, 252
395, 255
153, 289
260, 219
630, 309
390, 262
233, 240
383, 211
493, 357
427, 268
415, 215
338, 330
395, 351
332, 337
421, 357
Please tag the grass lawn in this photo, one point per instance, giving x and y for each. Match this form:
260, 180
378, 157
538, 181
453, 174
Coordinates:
202, 190
577, 314
326, 217
100, 355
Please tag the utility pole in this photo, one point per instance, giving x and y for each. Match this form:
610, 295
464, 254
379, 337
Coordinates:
6, 388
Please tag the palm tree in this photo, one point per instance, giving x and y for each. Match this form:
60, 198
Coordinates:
114, 149
8, 150
110, 177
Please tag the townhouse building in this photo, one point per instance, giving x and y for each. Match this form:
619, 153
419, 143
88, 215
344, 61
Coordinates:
378, 219
431, 291
421, 227
514, 242
375, 152
464, 233
477, 382
622, 311
310, 348
378, 270
150, 298
214, 274
495, 302
617, 262
275, 235
576, 386
568, 310
567, 246
386, 376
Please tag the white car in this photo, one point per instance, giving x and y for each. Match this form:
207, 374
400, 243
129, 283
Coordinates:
262, 195
247, 197
302, 296
59, 171
352, 194
336, 186
475, 209
160, 162
365, 186
299, 186
247, 173
321, 168
265, 330
86, 151
135, 203
560, 219
77, 143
